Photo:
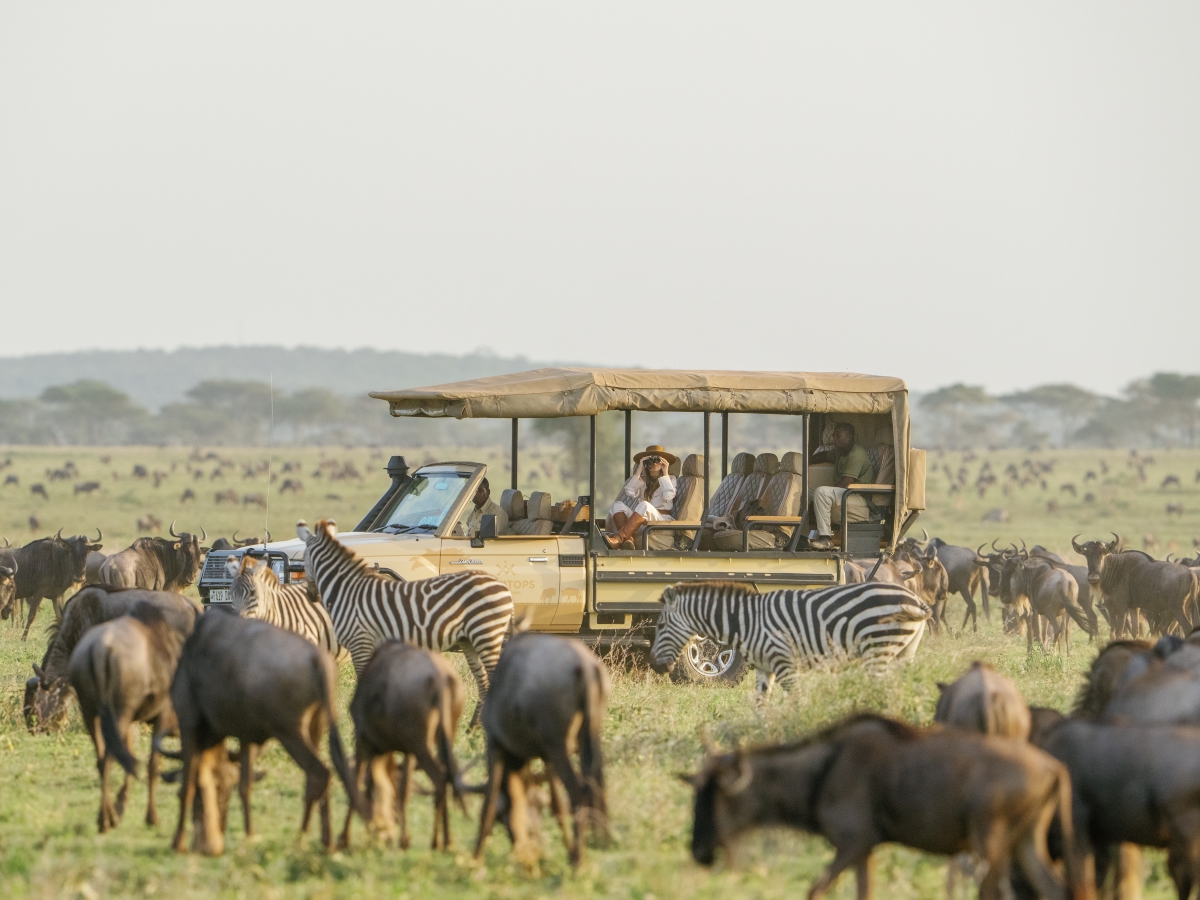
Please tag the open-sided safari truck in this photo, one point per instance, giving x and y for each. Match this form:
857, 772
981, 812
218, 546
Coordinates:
552, 557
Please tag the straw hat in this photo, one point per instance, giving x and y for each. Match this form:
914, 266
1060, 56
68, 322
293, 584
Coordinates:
655, 450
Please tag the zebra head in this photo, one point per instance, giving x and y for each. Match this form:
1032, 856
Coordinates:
253, 585
672, 633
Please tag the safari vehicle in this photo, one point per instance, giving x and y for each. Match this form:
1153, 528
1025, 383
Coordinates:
558, 567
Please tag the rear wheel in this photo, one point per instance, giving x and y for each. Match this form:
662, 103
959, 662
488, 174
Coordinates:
706, 661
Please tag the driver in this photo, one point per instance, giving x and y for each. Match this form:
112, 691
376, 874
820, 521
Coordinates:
646, 497
484, 505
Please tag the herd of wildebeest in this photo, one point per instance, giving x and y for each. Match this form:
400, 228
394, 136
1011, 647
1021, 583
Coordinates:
1030, 801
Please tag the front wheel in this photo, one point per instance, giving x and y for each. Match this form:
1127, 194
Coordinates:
705, 661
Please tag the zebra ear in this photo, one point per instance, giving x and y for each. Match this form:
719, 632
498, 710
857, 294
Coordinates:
668, 596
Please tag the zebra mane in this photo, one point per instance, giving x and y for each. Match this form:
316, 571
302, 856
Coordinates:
731, 589
345, 555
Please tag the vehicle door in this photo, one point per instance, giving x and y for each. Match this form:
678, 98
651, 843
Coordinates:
528, 565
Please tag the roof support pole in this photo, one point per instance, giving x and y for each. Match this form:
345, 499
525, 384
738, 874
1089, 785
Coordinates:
593, 528
724, 445
804, 491
707, 442
628, 442
514, 454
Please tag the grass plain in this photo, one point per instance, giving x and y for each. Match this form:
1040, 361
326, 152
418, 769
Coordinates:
48, 787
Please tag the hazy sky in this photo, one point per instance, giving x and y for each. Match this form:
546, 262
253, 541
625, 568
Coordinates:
1004, 194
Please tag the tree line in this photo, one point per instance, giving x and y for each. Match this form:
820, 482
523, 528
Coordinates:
1161, 410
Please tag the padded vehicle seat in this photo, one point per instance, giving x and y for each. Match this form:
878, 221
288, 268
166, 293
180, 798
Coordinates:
537, 516
765, 465
512, 502
687, 507
730, 489
780, 497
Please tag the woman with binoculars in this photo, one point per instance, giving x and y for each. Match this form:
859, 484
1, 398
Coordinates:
646, 497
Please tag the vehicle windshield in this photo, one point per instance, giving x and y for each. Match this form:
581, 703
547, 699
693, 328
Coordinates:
424, 502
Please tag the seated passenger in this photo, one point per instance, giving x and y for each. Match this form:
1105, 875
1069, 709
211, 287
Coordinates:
484, 505
646, 497
851, 466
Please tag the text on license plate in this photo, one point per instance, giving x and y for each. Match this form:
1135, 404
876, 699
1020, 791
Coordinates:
219, 595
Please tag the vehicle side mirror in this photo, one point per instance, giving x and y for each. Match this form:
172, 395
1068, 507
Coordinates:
487, 531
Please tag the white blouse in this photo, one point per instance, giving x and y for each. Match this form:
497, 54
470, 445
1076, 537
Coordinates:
663, 495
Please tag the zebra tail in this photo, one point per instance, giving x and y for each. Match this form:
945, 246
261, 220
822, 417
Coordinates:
106, 677
337, 755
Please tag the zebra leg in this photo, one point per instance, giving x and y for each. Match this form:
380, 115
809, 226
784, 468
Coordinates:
763, 682
481, 682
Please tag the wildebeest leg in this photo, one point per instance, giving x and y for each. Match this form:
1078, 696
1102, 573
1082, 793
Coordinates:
1127, 881
579, 796
206, 782
1033, 855
491, 797
316, 777
481, 682
557, 806
247, 752
438, 775
970, 613
361, 764
518, 818
187, 794
152, 775
34, 603
108, 817
847, 855
402, 796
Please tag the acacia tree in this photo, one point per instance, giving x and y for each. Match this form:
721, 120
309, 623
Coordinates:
952, 403
1174, 400
1071, 404
100, 410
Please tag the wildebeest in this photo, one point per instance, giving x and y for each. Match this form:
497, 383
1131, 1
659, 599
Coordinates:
1079, 573
46, 569
292, 485
254, 500
45, 691
40, 490
11, 479
156, 564
87, 487
546, 702
999, 515
871, 780
140, 471
1175, 509
920, 572
187, 495
8, 580
985, 701
964, 575
1130, 581
121, 673
1053, 600
1160, 686
229, 496
1133, 785
273, 684
91, 566
149, 522
408, 701
1171, 481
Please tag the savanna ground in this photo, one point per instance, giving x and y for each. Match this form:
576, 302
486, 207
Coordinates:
48, 786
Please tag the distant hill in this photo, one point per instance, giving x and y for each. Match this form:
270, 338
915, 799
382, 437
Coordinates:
156, 377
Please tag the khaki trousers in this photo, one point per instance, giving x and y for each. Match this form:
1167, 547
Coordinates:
828, 499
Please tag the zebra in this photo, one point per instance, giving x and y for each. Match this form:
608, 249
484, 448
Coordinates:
257, 594
784, 631
471, 609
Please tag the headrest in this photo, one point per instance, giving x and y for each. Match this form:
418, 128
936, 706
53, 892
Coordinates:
792, 463
512, 502
538, 505
742, 464
766, 464
674, 467
693, 465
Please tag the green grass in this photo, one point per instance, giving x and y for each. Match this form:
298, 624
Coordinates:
49, 846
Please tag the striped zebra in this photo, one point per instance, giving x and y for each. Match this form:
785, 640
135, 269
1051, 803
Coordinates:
782, 632
471, 609
257, 594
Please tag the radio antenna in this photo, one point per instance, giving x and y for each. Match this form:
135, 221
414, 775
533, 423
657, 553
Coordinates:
270, 450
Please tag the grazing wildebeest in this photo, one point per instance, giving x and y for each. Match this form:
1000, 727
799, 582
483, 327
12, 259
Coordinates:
121, 673
1079, 573
985, 701
292, 485
1170, 481
40, 490
547, 702
229, 496
187, 495
254, 500
46, 569
1067, 488
140, 471
1107, 671
1130, 581
156, 564
149, 522
998, 515
1175, 509
871, 780
87, 487
408, 701
273, 684
45, 691
1158, 687
1135, 786
11, 479
964, 574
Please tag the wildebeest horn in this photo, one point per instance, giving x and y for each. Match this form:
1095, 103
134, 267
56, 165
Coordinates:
203, 534
6, 542
235, 537
172, 528
1075, 546
268, 540
59, 535
926, 533
1116, 541
99, 535
994, 547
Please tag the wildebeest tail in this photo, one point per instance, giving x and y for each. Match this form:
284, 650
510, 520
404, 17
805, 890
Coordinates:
336, 754
591, 760
445, 747
106, 673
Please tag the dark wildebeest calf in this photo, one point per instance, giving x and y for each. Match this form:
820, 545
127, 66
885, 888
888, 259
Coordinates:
1136, 786
871, 780
1130, 580
408, 701
546, 700
46, 569
965, 575
272, 684
156, 564
983, 700
121, 672
46, 691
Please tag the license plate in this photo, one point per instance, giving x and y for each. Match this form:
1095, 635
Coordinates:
219, 595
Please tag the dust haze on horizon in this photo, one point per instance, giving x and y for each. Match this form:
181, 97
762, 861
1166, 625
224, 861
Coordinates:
1004, 195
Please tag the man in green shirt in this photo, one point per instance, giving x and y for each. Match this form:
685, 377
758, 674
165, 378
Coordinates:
851, 465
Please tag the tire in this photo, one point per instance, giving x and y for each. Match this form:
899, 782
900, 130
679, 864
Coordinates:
704, 661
